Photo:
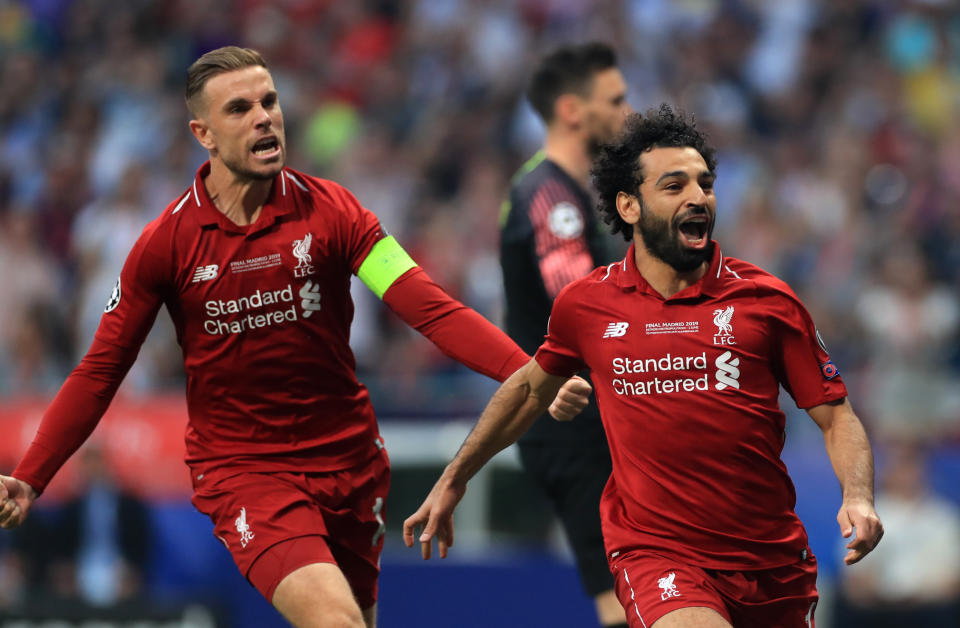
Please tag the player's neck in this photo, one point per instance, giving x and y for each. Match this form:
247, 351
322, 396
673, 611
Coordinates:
570, 153
661, 276
240, 200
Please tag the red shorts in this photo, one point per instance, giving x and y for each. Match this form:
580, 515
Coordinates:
649, 586
275, 523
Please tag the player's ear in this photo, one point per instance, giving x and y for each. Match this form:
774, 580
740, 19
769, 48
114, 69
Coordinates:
568, 108
628, 206
201, 131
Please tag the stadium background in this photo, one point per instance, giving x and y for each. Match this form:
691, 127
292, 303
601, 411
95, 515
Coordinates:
839, 152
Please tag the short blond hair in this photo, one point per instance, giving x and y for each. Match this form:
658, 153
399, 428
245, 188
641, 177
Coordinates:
226, 59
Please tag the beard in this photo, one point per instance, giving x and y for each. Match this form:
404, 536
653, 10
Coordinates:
597, 140
662, 239
594, 145
600, 132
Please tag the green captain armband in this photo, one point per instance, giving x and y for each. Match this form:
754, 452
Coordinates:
384, 264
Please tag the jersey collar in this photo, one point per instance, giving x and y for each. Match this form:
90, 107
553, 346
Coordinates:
279, 203
708, 285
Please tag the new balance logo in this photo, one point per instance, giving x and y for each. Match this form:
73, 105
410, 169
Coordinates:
205, 273
615, 330
727, 371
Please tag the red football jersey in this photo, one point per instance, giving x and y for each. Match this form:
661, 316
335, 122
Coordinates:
687, 389
262, 314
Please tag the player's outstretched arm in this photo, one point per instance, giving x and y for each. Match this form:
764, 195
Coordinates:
511, 411
852, 460
16, 497
468, 337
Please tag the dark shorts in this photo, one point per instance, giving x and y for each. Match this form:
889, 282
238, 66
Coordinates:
275, 523
573, 480
650, 586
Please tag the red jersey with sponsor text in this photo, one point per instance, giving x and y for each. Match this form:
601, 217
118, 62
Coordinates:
262, 314
687, 388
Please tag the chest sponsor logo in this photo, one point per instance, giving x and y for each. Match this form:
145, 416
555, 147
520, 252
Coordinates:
565, 221
722, 318
301, 250
668, 588
616, 330
310, 298
728, 375
669, 373
262, 308
255, 263
205, 273
672, 327
114, 299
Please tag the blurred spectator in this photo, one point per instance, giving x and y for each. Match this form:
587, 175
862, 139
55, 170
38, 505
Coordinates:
28, 272
11, 574
36, 363
24, 562
910, 324
913, 577
102, 538
102, 236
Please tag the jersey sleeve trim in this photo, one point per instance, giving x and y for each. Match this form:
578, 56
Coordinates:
383, 265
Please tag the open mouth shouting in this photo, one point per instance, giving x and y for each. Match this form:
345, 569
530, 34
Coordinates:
695, 230
267, 148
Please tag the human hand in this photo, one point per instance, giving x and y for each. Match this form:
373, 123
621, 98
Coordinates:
859, 515
16, 497
436, 517
571, 399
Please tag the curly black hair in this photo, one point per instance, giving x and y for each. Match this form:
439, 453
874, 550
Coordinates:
617, 167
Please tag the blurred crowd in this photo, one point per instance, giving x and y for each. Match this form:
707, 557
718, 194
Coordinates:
836, 122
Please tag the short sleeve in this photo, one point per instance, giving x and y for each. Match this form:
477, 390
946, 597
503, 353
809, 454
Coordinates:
801, 361
560, 353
